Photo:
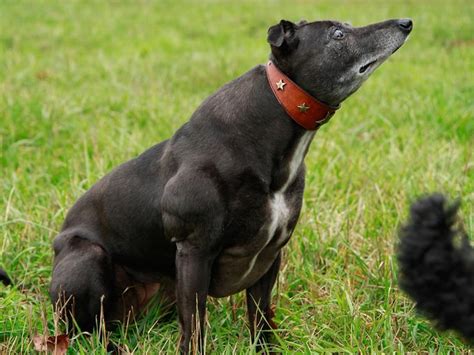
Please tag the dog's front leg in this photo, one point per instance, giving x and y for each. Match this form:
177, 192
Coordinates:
193, 271
259, 309
193, 215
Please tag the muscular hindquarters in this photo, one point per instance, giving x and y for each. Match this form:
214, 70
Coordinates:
88, 285
82, 281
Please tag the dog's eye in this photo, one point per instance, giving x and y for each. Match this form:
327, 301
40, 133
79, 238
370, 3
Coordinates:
338, 34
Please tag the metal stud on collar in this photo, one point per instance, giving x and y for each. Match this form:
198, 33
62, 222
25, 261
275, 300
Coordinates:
303, 107
280, 85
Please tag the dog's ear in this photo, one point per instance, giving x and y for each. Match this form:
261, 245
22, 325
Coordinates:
283, 35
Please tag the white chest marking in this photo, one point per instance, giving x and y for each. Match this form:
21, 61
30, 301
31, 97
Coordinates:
279, 210
297, 158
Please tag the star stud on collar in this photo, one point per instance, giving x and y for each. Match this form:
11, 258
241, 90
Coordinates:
303, 107
280, 85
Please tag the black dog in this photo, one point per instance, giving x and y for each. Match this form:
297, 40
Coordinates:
437, 265
207, 211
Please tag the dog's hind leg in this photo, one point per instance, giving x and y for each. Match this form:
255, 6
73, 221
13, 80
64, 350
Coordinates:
83, 282
259, 309
87, 286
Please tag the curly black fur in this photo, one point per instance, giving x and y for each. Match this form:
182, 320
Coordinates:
4, 278
437, 265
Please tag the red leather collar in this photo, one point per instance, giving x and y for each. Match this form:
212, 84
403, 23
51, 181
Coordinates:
298, 104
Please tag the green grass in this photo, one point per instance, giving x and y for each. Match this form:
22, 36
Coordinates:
85, 86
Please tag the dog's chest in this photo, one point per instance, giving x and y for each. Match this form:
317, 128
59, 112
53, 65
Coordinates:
240, 266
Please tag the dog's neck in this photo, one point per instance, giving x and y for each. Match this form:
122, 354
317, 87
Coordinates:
293, 140
306, 112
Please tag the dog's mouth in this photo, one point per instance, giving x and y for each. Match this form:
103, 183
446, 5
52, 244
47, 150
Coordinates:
380, 59
398, 47
365, 67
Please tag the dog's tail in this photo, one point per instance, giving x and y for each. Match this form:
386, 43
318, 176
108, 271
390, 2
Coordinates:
437, 265
4, 278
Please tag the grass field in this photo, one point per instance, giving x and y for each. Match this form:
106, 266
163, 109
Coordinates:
85, 86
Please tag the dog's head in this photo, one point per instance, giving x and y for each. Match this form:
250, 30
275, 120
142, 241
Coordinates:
330, 59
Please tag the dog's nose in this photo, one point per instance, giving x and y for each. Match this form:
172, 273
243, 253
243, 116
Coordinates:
405, 24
